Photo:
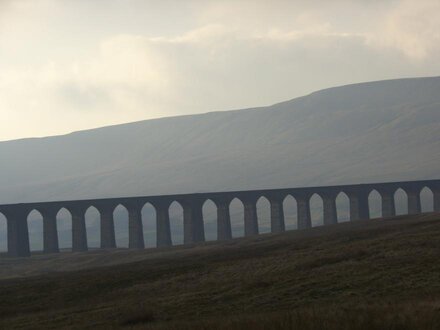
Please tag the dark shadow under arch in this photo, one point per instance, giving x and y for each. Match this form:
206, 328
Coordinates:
149, 224
236, 210
290, 212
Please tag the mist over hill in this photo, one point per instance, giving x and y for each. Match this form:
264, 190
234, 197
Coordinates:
378, 131
386, 130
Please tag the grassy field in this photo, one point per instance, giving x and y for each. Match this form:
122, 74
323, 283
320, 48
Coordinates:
375, 274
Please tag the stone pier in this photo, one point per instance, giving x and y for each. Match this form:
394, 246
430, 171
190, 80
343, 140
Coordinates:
250, 216
303, 210
329, 205
50, 232
388, 204
224, 230
108, 237
163, 228
193, 226
414, 204
277, 224
436, 193
135, 227
79, 233
18, 235
359, 209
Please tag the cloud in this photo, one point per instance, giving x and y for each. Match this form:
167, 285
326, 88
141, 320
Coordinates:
235, 54
413, 28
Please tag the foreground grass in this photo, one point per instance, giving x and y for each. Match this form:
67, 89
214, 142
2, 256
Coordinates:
378, 274
376, 316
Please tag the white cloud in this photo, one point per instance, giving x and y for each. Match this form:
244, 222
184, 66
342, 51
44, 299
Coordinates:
237, 54
412, 27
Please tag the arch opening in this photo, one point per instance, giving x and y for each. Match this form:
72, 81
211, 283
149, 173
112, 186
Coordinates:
120, 218
93, 227
64, 228
149, 224
35, 229
343, 207
236, 210
263, 215
316, 210
3, 233
375, 204
401, 201
176, 222
209, 211
427, 199
290, 212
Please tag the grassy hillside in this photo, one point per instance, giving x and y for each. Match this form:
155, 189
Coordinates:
376, 274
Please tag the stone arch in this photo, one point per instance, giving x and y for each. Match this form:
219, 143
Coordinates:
149, 224
290, 212
263, 214
427, 199
120, 216
374, 204
92, 217
236, 209
176, 222
209, 211
64, 228
343, 206
35, 229
401, 201
316, 209
3, 233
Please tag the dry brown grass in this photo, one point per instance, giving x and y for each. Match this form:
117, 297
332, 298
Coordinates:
403, 316
377, 274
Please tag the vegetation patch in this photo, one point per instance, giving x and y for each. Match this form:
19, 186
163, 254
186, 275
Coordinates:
311, 279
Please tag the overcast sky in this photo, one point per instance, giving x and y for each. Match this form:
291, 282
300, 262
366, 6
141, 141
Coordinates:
77, 64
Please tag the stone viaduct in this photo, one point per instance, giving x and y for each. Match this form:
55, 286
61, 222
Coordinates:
17, 214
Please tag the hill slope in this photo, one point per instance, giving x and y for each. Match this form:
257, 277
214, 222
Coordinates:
372, 274
357, 133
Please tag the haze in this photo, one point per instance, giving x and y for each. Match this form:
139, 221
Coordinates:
71, 65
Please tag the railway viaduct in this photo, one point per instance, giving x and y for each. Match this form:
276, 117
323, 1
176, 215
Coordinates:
17, 214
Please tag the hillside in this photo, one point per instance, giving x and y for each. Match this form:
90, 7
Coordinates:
372, 274
380, 129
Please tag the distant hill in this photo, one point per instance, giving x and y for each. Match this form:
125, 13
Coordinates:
386, 130
378, 131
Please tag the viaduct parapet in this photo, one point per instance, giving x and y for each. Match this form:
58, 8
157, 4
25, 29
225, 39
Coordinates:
17, 214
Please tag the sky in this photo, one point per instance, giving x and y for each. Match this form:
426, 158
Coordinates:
68, 65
